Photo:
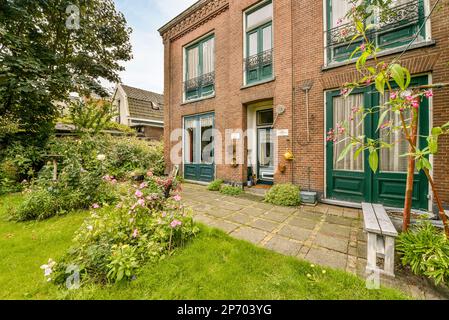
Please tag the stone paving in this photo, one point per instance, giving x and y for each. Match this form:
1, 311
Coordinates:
327, 235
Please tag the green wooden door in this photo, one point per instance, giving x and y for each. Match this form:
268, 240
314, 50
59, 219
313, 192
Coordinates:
199, 147
352, 179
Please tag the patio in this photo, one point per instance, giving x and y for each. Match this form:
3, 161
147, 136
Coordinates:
326, 235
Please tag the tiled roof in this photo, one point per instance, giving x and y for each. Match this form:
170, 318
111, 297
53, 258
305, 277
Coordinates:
144, 104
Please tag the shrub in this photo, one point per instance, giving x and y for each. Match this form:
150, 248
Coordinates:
284, 195
426, 250
113, 243
215, 185
231, 191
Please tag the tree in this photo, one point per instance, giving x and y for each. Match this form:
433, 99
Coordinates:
92, 116
403, 101
50, 48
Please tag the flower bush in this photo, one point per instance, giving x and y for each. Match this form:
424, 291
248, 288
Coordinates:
215, 185
114, 242
284, 195
426, 250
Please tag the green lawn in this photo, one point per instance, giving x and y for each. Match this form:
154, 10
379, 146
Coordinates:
213, 266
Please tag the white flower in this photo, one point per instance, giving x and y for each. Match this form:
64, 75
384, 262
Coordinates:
90, 228
48, 268
101, 157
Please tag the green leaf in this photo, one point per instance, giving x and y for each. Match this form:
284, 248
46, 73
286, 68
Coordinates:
345, 152
358, 152
397, 72
433, 144
426, 164
382, 118
380, 83
437, 131
374, 161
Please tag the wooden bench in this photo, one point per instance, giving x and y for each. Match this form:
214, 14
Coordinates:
381, 237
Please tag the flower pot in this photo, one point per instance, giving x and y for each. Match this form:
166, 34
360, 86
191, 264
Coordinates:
308, 197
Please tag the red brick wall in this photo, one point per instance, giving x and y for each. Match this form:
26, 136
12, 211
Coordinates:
154, 133
298, 58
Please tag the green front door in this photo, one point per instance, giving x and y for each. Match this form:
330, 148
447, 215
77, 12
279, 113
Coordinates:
199, 147
352, 179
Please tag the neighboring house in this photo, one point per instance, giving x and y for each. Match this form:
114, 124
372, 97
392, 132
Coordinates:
277, 66
140, 109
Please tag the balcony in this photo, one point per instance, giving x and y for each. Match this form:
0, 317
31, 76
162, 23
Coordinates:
199, 87
396, 30
259, 66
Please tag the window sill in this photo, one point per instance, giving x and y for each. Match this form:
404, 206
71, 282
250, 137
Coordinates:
383, 53
258, 83
198, 99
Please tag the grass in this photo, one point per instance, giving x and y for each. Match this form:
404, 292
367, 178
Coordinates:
213, 266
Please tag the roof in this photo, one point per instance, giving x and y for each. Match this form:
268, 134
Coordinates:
181, 16
143, 104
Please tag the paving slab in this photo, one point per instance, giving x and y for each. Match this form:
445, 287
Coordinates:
303, 223
335, 230
225, 226
296, 233
308, 215
329, 242
339, 220
203, 219
327, 258
219, 212
276, 215
250, 234
265, 225
284, 245
240, 218
253, 211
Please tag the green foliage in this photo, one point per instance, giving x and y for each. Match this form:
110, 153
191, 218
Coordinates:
426, 250
91, 117
215, 185
42, 60
114, 243
112, 125
231, 191
284, 195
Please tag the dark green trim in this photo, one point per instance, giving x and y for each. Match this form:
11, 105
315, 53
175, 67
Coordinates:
201, 91
199, 171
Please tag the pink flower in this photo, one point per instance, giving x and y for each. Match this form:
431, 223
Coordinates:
149, 174
177, 198
96, 206
139, 194
344, 91
415, 103
164, 214
141, 202
428, 94
363, 47
175, 223
393, 95
339, 21
368, 81
114, 181
135, 233
409, 98
143, 185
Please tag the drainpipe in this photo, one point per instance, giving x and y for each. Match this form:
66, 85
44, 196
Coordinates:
293, 93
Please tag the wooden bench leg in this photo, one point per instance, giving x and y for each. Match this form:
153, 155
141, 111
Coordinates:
389, 256
371, 252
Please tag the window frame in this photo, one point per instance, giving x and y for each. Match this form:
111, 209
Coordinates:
203, 92
258, 28
329, 52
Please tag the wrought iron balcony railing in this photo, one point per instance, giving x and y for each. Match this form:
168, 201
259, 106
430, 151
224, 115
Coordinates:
394, 24
259, 60
200, 82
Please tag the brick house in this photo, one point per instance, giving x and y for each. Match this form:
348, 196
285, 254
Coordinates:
274, 68
140, 109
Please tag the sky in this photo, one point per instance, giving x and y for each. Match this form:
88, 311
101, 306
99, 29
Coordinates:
145, 17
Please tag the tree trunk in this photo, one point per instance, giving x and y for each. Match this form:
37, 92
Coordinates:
410, 172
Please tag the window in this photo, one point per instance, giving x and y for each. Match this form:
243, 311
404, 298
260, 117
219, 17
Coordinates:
395, 30
200, 69
259, 43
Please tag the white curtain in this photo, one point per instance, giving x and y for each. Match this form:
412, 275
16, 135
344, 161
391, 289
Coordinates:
342, 112
193, 59
208, 56
267, 39
390, 160
259, 17
339, 10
